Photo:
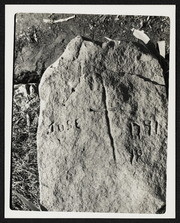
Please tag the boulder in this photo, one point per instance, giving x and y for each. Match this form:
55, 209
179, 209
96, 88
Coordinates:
33, 59
102, 132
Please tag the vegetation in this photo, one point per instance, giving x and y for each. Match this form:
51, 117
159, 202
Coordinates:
24, 173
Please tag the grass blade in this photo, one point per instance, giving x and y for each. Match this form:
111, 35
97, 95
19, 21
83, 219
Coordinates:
30, 205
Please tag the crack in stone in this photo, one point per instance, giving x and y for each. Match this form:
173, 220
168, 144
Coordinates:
132, 157
104, 96
103, 109
149, 80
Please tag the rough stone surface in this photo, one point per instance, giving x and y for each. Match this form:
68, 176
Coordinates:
102, 134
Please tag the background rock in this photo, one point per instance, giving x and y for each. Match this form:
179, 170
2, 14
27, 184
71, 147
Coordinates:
39, 44
102, 134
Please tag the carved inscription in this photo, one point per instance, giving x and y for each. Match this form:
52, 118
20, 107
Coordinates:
146, 128
157, 127
136, 154
135, 130
66, 126
60, 128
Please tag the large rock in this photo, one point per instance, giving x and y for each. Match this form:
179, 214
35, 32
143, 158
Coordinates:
102, 134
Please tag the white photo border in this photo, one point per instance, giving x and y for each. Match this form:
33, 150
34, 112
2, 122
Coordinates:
146, 10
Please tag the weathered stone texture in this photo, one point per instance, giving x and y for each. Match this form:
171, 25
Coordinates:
102, 134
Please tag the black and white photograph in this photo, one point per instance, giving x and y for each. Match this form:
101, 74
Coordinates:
90, 113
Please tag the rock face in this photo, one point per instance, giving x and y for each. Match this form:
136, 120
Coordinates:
102, 134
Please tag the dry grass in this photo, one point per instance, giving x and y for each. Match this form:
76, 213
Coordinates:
24, 153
